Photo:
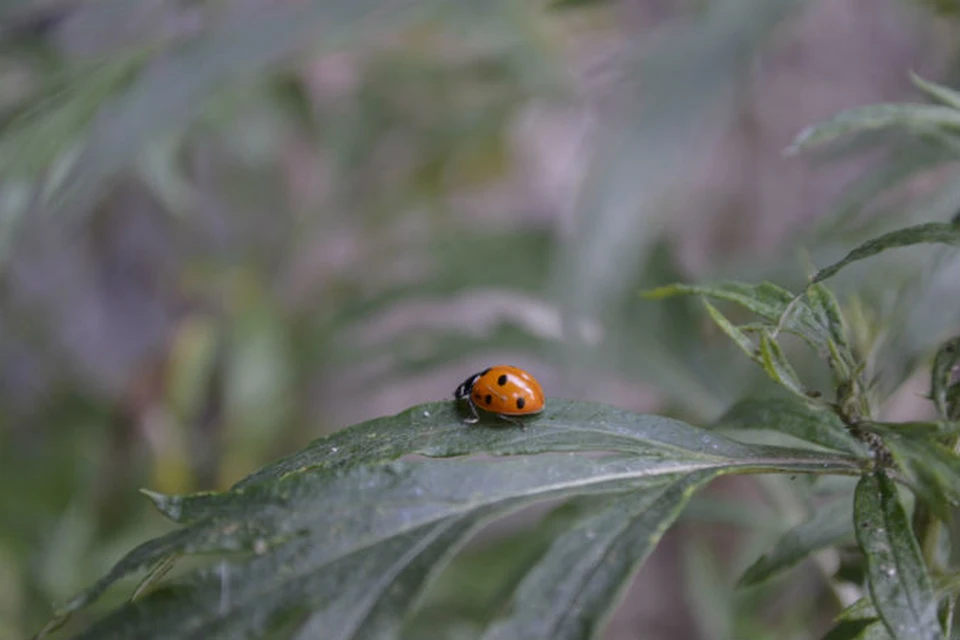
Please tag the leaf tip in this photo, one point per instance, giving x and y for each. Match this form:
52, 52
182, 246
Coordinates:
170, 506
657, 293
799, 142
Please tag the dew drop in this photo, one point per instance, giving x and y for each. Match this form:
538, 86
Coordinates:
426, 414
334, 449
260, 546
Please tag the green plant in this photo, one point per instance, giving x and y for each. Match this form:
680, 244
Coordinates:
343, 538
366, 561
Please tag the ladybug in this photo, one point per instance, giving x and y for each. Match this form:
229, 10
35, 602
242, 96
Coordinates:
504, 390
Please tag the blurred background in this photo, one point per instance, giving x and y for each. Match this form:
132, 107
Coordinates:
228, 227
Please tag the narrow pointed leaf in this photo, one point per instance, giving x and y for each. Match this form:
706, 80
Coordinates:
826, 309
938, 92
899, 583
915, 117
476, 586
830, 525
580, 579
733, 331
794, 416
777, 366
766, 300
929, 233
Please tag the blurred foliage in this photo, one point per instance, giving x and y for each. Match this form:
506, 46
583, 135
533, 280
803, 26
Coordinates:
227, 228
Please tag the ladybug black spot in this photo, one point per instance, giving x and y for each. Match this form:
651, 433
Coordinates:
502, 380
488, 399
477, 395
520, 403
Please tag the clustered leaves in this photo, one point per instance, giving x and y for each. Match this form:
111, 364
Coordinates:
345, 533
343, 538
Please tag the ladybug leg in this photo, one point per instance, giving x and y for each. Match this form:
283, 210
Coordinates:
513, 421
474, 417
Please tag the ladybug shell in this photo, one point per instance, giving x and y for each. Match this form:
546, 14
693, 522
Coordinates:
507, 390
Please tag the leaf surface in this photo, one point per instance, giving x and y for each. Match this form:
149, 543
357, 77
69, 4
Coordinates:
900, 586
580, 579
347, 495
828, 526
929, 233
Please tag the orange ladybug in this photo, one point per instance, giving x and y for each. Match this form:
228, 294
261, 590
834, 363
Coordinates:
504, 390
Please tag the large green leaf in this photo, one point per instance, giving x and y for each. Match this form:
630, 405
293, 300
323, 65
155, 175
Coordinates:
579, 580
828, 526
347, 494
900, 586
434, 430
929, 233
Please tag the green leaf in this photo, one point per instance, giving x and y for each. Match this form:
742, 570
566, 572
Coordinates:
932, 469
793, 416
938, 92
913, 117
817, 320
825, 308
929, 233
899, 584
767, 300
733, 332
942, 378
830, 524
435, 430
330, 497
860, 620
363, 595
873, 629
777, 366
477, 584
581, 578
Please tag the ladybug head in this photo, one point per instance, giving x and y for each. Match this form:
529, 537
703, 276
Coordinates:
463, 391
